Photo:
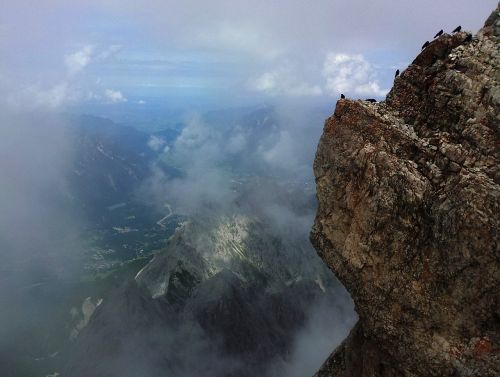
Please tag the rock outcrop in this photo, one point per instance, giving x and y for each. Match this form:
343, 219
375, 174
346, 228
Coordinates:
409, 214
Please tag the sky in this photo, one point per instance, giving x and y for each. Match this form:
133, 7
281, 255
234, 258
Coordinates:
64, 54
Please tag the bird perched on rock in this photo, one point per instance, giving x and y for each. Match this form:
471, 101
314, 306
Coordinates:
427, 43
439, 33
372, 100
342, 96
468, 38
457, 29
397, 73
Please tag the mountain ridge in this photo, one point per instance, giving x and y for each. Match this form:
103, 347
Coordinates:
225, 297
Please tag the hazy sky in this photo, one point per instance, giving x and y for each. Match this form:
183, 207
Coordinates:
55, 54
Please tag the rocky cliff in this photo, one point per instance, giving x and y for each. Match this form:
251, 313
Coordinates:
408, 216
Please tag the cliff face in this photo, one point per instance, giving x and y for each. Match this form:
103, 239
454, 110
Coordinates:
408, 216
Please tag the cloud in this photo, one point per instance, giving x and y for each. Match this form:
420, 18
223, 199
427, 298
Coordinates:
37, 97
107, 52
78, 60
218, 45
37, 221
212, 156
193, 135
200, 153
156, 143
236, 142
340, 73
114, 96
68, 88
327, 325
285, 81
350, 74
282, 152
266, 82
229, 36
304, 89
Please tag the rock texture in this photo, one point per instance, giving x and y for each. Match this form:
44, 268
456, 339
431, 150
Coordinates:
408, 216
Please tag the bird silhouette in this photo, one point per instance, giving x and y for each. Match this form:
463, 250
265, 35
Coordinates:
397, 73
342, 96
457, 29
439, 33
427, 43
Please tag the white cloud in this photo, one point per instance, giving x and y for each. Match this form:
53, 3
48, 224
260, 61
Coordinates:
193, 135
237, 142
229, 41
371, 88
65, 89
303, 89
141, 102
114, 96
77, 61
346, 73
35, 96
282, 151
108, 52
238, 39
285, 81
52, 97
155, 143
266, 82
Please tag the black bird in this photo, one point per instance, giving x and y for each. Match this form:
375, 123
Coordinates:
427, 43
397, 73
438, 34
457, 29
468, 38
342, 96
372, 100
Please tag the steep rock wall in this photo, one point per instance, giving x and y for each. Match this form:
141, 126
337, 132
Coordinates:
408, 216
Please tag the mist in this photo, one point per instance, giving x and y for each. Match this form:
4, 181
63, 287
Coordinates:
258, 148
37, 218
39, 243
328, 324
254, 163
258, 163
